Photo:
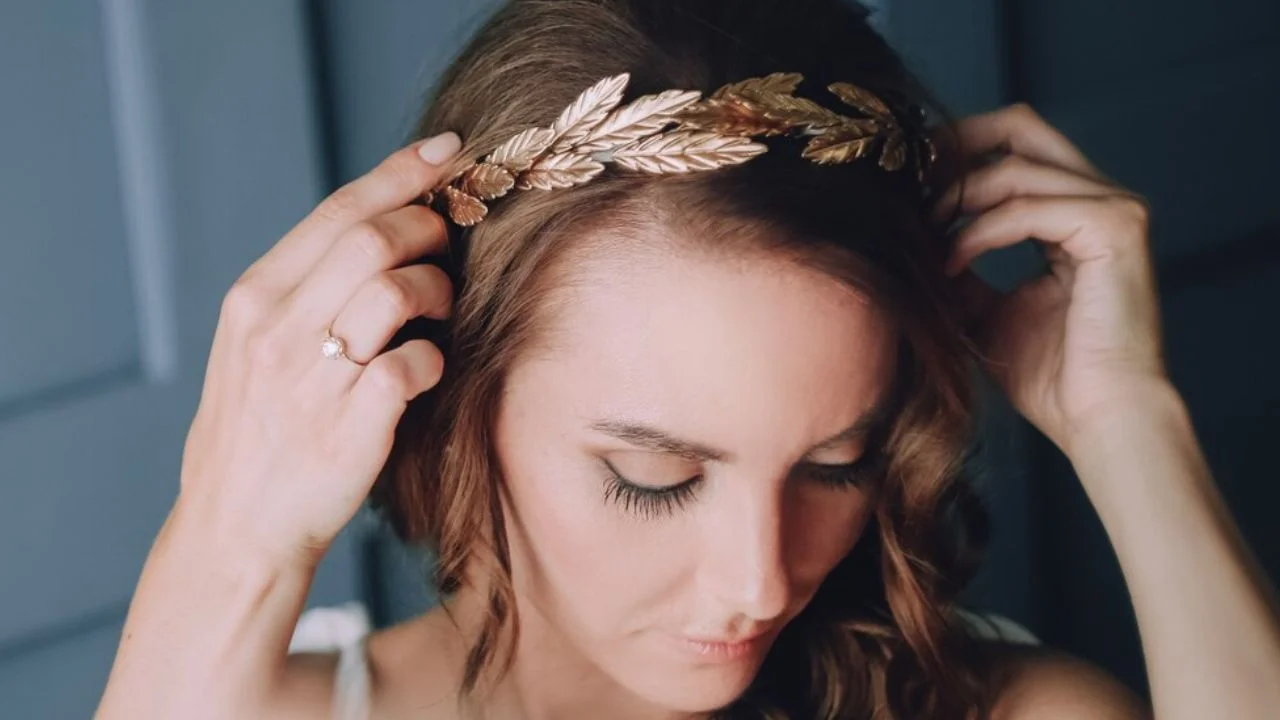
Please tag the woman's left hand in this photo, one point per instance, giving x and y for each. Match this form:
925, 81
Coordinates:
1084, 340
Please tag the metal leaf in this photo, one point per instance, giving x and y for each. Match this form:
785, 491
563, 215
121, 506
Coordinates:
519, 152
894, 153
642, 117
684, 151
799, 112
464, 209
731, 116
772, 84
587, 111
863, 100
841, 144
559, 170
487, 181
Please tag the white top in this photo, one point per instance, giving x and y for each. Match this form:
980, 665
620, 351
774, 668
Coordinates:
345, 628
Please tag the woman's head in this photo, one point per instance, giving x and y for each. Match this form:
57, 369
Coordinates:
711, 406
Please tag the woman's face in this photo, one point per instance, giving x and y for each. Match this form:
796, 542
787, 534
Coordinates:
674, 465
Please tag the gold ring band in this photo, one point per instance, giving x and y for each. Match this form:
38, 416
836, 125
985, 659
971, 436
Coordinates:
335, 347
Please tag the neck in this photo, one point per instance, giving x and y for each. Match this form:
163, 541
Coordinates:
549, 677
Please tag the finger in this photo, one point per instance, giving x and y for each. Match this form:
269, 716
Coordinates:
364, 250
396, 181
388, 300
1087, 228
1021, 130
379, 396
1013, 176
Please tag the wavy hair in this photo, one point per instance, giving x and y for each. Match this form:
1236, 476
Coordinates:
879, 639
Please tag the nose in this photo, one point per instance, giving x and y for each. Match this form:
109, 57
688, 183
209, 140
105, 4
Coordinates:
746, 565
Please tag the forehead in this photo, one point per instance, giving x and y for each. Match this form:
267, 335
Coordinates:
748, 352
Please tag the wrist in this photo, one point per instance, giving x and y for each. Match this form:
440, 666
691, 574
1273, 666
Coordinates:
1106, 428
211, 618
1143, 444
228, 543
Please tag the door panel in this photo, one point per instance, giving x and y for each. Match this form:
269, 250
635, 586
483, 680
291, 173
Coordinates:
62, 204
152, 151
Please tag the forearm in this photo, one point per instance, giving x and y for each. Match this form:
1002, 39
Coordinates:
1206, 613
207, 631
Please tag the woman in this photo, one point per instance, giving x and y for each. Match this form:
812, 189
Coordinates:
692, 442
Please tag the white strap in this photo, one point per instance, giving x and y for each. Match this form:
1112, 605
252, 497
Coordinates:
351, 686
345, 629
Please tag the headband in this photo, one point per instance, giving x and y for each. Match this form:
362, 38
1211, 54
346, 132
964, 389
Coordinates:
677, 131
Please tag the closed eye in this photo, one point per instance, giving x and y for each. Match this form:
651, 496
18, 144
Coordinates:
862, 472
651, 501
648, 501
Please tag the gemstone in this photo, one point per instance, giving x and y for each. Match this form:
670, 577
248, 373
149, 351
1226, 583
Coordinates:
332, 348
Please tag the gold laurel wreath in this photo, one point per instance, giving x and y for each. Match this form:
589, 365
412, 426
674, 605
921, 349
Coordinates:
708, 134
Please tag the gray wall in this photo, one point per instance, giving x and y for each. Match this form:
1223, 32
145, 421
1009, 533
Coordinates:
148, 152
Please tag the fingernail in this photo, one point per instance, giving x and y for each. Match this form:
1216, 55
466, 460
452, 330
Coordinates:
440, 148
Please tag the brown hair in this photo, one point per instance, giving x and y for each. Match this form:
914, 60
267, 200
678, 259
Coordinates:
878, 640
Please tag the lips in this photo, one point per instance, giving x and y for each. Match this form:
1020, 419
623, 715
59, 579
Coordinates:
721, 648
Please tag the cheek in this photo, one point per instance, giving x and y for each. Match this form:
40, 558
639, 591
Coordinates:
582, 558
826, 524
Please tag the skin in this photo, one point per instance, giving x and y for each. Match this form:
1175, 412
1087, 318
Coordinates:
286, 444
763, 362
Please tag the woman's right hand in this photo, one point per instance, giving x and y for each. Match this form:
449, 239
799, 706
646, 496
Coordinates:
286, 443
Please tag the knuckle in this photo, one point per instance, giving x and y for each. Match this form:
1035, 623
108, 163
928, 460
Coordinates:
1006, 170
442, 227
429, 361
1019, 204
441, 290
245, 303
340, 203
1024, 113
404, 171
373, 242
392, 376
266, 349
434, 363
431, 219
1013, 163
1130, 209
394, 294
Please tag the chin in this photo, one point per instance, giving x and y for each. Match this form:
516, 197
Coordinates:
694, 699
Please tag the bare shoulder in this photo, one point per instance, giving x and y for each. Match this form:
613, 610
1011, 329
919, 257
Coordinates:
1047, 684
415, 668
412, 674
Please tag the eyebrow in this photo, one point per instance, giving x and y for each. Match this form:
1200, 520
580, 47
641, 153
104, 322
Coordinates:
648, 437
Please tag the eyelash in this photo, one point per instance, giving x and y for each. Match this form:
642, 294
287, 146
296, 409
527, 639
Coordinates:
650, 503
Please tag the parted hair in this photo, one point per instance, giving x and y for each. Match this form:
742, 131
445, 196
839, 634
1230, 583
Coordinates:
879, 639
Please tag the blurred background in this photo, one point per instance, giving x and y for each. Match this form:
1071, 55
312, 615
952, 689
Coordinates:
150, 150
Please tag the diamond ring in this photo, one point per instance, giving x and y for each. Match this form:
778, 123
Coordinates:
335, 347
